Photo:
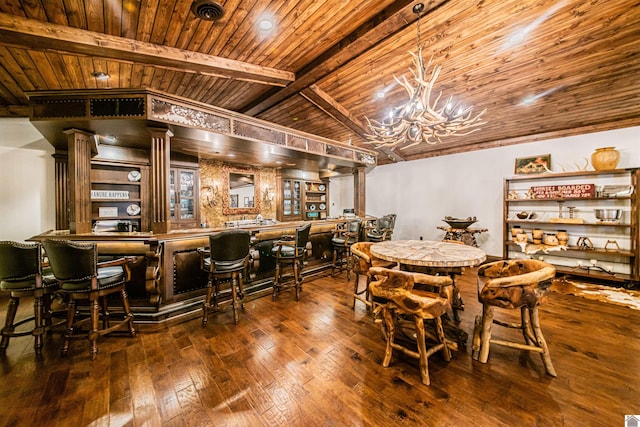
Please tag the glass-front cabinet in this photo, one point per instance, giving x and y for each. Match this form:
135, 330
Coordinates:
291, 199
183, 197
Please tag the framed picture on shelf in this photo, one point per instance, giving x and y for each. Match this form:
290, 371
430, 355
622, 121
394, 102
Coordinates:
533, 164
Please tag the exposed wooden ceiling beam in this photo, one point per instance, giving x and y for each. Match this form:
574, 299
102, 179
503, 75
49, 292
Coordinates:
37, 35
391, 20
14, 111
326, 103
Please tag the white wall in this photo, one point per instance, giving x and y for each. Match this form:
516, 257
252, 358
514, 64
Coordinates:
423, 192
27, 190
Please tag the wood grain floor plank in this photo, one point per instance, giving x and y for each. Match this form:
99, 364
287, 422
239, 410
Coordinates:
317, 362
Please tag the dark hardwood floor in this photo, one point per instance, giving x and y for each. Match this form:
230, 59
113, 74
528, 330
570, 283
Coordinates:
316, 362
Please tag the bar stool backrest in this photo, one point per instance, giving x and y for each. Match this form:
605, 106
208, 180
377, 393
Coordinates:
72, 261
230, 245
20, 261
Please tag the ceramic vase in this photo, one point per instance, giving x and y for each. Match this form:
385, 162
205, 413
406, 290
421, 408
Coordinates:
537, 235
605, 158
563, 237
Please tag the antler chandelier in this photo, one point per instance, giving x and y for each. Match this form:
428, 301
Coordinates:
420, 120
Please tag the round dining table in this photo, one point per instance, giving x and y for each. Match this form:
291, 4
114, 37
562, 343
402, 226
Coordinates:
433, 257
427, 253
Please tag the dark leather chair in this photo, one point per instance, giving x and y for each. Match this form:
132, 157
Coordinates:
21, 275
382, 228
344, 236
226, 259
513, 284
291, 252
81, 277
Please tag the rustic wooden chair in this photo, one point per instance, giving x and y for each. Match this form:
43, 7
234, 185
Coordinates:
399, 299
362, 262
344, 235
513, 284
291, 252
21, 275
226, 259
81, 277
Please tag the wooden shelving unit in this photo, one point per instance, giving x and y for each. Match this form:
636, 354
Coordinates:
316, 200
614, 253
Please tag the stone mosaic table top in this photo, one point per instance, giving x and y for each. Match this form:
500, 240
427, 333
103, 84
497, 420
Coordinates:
428, 253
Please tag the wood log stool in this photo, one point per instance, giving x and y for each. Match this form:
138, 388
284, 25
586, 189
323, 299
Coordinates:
513, 284
398, 298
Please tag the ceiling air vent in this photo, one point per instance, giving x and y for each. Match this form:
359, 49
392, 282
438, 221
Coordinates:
207, 10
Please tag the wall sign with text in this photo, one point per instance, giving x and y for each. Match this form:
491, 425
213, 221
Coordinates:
572, 191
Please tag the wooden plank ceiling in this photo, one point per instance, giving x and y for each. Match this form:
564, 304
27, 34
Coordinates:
542, 69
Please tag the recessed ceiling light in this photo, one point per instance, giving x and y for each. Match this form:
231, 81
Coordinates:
231, 155
265, 24
380, 94
100, 75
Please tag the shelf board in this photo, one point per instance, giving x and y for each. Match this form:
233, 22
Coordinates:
115, 182
551, 175
602, 251
593, 274
557, 224
567, 199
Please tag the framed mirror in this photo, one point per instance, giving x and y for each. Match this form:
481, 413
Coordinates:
241, 190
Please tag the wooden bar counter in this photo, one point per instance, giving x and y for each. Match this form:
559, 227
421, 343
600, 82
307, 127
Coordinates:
167, 283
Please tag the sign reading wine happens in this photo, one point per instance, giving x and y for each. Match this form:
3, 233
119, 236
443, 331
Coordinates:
571, 191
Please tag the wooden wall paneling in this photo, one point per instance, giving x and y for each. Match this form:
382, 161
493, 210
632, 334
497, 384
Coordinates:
81, 147
61, 166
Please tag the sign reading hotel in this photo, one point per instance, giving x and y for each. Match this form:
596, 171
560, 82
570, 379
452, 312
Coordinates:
572, 191
108, 194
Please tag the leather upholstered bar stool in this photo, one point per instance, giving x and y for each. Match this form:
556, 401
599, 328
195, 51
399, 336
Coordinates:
344, 236
226, 259
21, 276
513, 284
397, 298
291, 253
81, 277
363, 261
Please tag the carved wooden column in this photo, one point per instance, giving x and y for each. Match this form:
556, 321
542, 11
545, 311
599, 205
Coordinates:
82, 146
160, 165
62, 191
359, 191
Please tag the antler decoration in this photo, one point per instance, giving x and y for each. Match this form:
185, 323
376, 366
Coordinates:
420, 120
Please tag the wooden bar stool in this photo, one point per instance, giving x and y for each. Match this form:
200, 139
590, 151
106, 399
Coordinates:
21, 276
226, 258
344, 236
292, 253
81, 277
398, 298
513, 284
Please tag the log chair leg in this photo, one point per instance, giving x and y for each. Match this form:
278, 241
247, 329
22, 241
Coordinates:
8, 323
422, 349
349, 262
525, 325
485, 334
241, 290
94, 332
207, 303
71, 316
127, 312
335, 258
545, 355
356, 282
475, 346
446, 352
389, 332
